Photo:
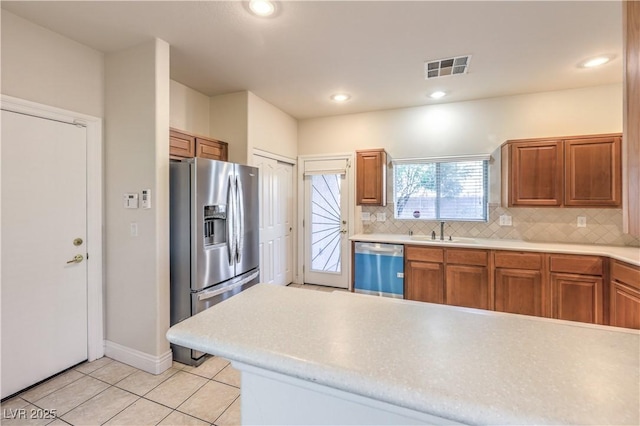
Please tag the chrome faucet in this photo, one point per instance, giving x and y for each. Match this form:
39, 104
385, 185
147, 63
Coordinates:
441, 231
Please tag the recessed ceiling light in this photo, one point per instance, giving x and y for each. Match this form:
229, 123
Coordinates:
597, 61
262, 7
340, 97
437, 95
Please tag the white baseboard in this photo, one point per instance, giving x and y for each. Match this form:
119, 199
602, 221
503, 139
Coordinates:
149, 363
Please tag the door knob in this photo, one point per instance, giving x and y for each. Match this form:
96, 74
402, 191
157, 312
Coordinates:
76, 259
344, 231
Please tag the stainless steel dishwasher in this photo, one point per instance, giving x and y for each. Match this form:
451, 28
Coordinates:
379, 269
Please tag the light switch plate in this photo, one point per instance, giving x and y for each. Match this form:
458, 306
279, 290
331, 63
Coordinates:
382, 216
365, 216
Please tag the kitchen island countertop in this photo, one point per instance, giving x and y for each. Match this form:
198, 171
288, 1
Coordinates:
464, 365
627, 254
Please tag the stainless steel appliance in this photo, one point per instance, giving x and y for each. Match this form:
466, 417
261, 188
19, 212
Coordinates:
379, 269
214, 237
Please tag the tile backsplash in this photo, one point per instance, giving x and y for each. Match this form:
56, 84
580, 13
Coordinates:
604, 226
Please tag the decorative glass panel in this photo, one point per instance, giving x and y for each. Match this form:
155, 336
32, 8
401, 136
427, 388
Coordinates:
325, 223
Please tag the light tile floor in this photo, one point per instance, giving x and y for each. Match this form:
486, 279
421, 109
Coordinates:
109, 392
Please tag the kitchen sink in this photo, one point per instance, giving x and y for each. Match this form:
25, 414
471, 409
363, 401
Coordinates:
427, 239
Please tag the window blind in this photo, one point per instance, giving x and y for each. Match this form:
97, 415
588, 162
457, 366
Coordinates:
447, 189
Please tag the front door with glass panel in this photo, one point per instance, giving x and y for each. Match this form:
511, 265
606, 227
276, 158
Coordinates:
326, 229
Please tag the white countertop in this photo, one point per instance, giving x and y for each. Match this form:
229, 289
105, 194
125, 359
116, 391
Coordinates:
625, 254
470, 366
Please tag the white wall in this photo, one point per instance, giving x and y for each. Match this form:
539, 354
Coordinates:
189, 109
270, 129
136, 158
228, 122
475, 127
42, 66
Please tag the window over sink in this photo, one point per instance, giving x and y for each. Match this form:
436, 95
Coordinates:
443, 189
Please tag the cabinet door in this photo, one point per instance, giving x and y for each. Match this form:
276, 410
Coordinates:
181, 145
371, 169
536, 177
519, 291
211, 149
467, 286
593, 172
577, 298
424, 281
625, 306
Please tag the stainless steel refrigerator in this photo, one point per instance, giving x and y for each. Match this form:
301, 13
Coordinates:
214, 237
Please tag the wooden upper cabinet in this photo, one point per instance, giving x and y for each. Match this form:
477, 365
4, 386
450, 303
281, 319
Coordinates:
593, 173
181, 145
371, 177
536, 173
583, 171
624, 298
211, 149
186, 145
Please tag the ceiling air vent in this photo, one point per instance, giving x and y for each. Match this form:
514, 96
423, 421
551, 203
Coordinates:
448, 66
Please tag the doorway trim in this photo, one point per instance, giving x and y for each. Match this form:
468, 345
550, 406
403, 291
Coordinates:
95, 320
351, 201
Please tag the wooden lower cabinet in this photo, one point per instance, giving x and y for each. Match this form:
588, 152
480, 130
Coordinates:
519, 283
577, 287
624, 298
519, 291
577, 298
589, 289
424, 281
453, 276
468, 286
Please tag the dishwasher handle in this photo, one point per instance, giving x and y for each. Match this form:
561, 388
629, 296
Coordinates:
392, 249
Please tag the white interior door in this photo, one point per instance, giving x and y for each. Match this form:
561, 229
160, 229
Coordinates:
326, 223
276, 220
44, 232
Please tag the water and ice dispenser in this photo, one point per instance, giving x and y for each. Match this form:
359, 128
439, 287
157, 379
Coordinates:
215, 224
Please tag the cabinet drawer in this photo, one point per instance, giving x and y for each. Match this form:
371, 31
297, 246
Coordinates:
586, 265
425, 254
468, 257
625, 273
507, 259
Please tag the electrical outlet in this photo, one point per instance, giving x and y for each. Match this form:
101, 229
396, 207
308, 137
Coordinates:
365, 216
582, 221
382, 216
505, 220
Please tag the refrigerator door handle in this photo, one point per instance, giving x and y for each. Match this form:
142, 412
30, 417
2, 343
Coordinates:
240, 234
212, 293
231, 239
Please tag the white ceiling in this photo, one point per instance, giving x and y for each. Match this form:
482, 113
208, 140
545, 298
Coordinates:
373, 50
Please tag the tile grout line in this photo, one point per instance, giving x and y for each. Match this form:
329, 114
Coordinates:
226, 409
